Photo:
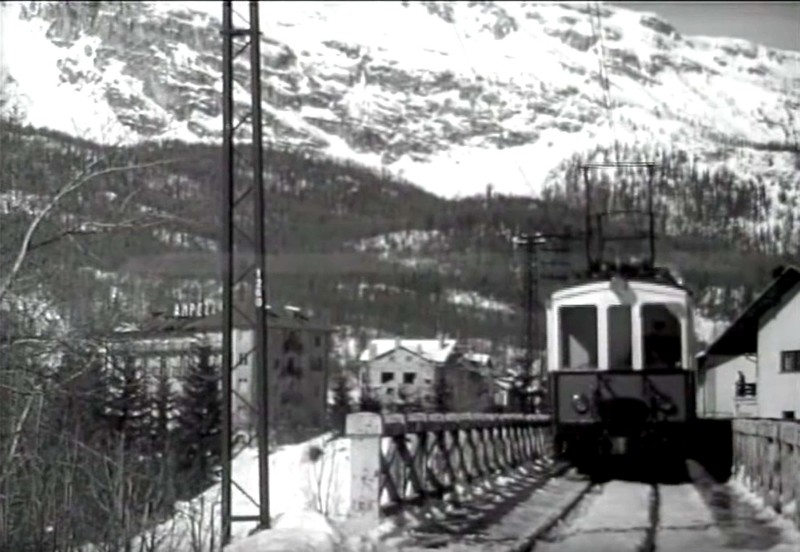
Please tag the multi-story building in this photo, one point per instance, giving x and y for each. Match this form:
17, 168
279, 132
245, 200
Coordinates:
753, 367
422, 372
298, 358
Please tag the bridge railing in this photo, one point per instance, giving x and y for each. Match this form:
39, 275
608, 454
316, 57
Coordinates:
767, 454
398, 459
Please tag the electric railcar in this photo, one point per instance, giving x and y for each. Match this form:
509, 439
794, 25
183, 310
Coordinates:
621, 367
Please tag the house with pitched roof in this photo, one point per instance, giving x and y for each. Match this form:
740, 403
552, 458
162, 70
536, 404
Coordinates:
411, 372
753, 368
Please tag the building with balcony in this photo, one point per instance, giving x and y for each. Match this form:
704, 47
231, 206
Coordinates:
298, 357
753, 368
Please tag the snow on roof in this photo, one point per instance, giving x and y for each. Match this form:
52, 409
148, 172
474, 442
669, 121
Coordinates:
433, 349
482, 359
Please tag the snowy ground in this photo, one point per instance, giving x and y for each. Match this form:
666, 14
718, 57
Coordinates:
300, 483
309, 493
701, 515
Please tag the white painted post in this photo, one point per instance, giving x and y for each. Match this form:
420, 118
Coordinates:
364, 429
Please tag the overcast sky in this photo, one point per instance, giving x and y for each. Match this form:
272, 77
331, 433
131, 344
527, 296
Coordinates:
775, 24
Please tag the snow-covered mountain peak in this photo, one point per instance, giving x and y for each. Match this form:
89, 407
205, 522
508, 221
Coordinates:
450, 95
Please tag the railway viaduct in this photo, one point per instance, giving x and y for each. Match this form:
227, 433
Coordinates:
489, 482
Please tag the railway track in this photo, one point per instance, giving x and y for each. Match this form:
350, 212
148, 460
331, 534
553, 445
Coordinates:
504, 514
698, 514
559, 511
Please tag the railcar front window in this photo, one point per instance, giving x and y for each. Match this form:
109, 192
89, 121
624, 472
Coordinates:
578, 337
661, 331
620, 349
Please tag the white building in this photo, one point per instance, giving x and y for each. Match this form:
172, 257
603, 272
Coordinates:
753, 367
407, 371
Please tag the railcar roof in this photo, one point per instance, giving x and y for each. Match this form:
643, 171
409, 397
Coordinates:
644, 275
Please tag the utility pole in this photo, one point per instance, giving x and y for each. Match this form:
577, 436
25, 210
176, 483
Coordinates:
243, 260
530, 243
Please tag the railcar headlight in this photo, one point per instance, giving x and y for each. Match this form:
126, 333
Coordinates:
667, 406
580, 404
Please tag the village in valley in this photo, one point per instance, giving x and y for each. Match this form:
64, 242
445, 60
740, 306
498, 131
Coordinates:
747, 369
315, 376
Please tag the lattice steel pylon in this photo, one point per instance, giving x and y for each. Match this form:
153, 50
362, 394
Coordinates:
242, 254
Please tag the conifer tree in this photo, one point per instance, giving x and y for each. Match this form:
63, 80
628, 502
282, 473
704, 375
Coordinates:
126, 407
199, 420
441, 394
161, 412
341, 402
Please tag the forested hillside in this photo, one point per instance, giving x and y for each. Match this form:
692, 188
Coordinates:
362, 248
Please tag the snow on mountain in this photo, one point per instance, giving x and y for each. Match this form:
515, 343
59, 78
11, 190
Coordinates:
408, 241
478, 301
451, 96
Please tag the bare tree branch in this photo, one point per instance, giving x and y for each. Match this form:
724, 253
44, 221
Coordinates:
15, 436
93, 228
87, 176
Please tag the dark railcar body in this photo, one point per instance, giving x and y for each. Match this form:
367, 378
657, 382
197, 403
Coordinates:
621, 372
622, 397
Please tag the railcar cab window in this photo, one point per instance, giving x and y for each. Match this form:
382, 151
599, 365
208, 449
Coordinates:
661, 335
620, 345
578, 328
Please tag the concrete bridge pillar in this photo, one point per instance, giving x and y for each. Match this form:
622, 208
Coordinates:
364, 429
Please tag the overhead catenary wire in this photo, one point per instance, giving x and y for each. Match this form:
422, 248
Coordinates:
596, 23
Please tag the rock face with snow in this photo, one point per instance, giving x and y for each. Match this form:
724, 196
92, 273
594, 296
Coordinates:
452, 95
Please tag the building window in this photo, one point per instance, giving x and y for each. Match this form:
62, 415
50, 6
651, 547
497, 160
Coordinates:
390, 391
386, 377
408, 358
788, 415
409, 378
293, 343
317, 341
790, 361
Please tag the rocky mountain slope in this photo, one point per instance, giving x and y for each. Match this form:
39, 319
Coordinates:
363, 101
452, 96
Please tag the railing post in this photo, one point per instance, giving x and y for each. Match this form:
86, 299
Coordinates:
364, 429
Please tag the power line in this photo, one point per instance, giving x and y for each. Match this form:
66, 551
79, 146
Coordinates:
605, 83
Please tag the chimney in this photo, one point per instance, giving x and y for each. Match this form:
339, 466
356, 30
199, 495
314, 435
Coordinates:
397, 342
373, 351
